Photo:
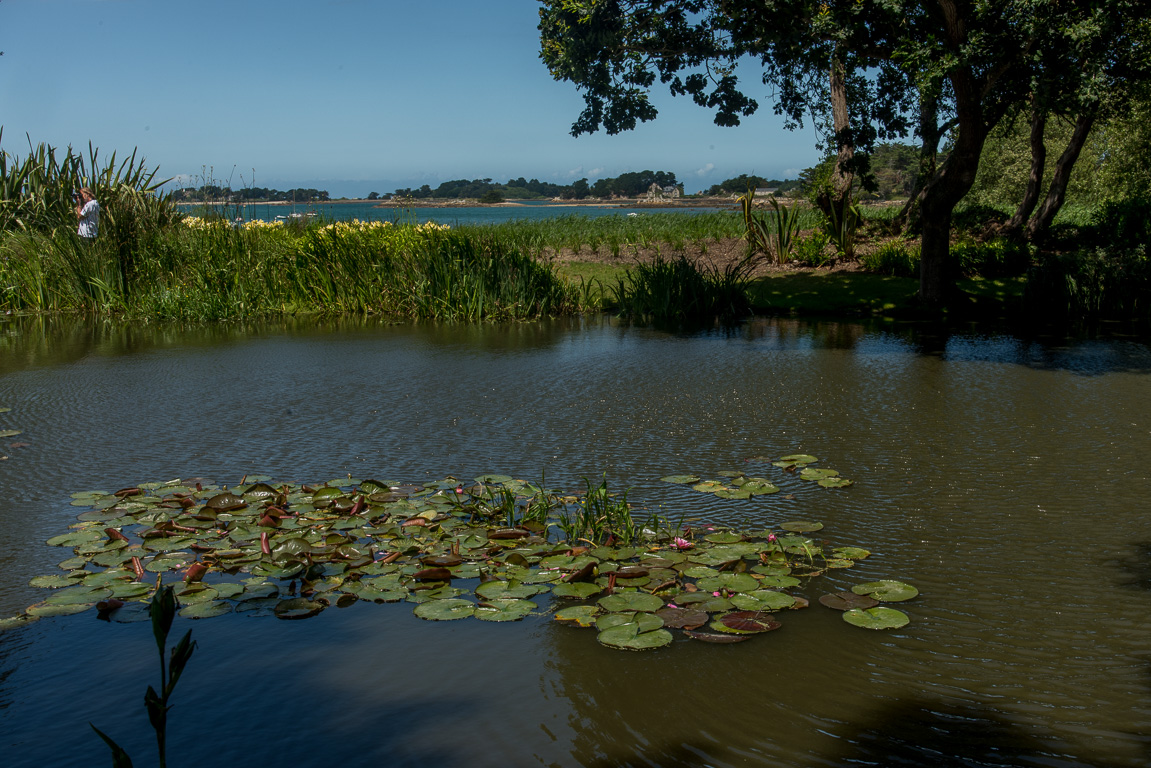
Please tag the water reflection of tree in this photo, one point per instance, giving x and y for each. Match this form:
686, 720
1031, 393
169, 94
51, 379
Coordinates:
755, 704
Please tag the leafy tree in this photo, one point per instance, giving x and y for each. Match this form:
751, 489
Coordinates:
373, 195
959, 67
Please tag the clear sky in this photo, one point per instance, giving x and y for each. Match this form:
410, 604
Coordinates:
350, 96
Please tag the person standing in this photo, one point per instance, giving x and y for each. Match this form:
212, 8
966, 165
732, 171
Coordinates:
88, 213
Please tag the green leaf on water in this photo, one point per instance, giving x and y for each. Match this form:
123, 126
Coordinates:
504, 610
731, 582
835, 482
876, 618
445, 610
10, 432
681, 479
886, 591
733, 493
206, 610
580, 615
577, 591
627, 637
813, 473
630, 601
801, 526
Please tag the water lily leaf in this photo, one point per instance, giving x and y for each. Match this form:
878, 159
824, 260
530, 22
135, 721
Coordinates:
876, 618
771, 570
494, 479
131, 590
76, 538
713, 604
46, 609
646, 621
799, 458
724, 537
206, 610
708, 486
886, 591
537, 576
580, 615
504, 610
197, 593
627, 637
630, 601
733, 493
835, 482
700, 572
57, 580
78, 595
170, 562
577, 590
759, 488
836, 562
851, 553
682, 618
567, 562
732, 582
845, 601
297, 608
812, 473
10, 432
779, 582
494, 590
681, 479
445, 610
763, 600
749, 621
801, 526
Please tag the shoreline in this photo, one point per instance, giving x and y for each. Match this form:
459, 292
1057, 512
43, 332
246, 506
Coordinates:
710, 202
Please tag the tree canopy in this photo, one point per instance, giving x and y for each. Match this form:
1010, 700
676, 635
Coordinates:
872, 69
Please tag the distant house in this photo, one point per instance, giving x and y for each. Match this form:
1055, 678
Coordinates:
765, 191
656, 192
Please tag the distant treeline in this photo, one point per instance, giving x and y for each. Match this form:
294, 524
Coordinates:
626, 185
214, 192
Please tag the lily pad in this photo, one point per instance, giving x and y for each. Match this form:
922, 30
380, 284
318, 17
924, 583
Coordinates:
627, 637
801, 526
886, 591
297, 608
812, 473
749, 621
716, 637
504, 610
577, 591
682, 618
731, 582
630, 601
681, 479
580, 615
206, 610
876, 618
835, 482
445, 610
46, 609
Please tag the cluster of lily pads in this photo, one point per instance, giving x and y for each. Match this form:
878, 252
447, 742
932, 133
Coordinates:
492, 549
739, 486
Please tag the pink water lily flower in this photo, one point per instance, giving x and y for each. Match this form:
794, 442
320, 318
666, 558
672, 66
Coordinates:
679, 543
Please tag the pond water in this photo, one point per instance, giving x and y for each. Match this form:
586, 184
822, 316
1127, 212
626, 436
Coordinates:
1005, 477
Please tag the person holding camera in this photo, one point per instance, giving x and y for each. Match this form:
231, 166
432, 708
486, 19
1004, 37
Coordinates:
88, 212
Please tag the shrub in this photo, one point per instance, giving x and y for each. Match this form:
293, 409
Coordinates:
994, 258
893, 258
678, 290
812, 250
1124, 223
1111, 281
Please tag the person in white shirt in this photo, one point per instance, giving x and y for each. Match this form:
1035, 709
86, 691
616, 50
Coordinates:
88, 212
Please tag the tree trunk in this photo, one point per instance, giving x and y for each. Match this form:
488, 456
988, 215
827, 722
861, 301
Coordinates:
1035, 181
835, 199
953, 181
1057, 192
908, 219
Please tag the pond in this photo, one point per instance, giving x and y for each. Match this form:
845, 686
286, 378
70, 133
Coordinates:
1005, 477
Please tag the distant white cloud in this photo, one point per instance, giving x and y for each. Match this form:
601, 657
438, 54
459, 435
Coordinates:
706, 170
595, 173
791, 173
574, 172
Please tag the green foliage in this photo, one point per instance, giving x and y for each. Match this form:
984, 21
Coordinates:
774, 236
895, 258
1124, 223
994, 258
841, 228
812, 250
1111, 281
678, 290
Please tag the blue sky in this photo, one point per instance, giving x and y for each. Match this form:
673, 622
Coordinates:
347, 95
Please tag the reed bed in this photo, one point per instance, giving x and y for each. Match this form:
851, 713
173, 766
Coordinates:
209, 269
